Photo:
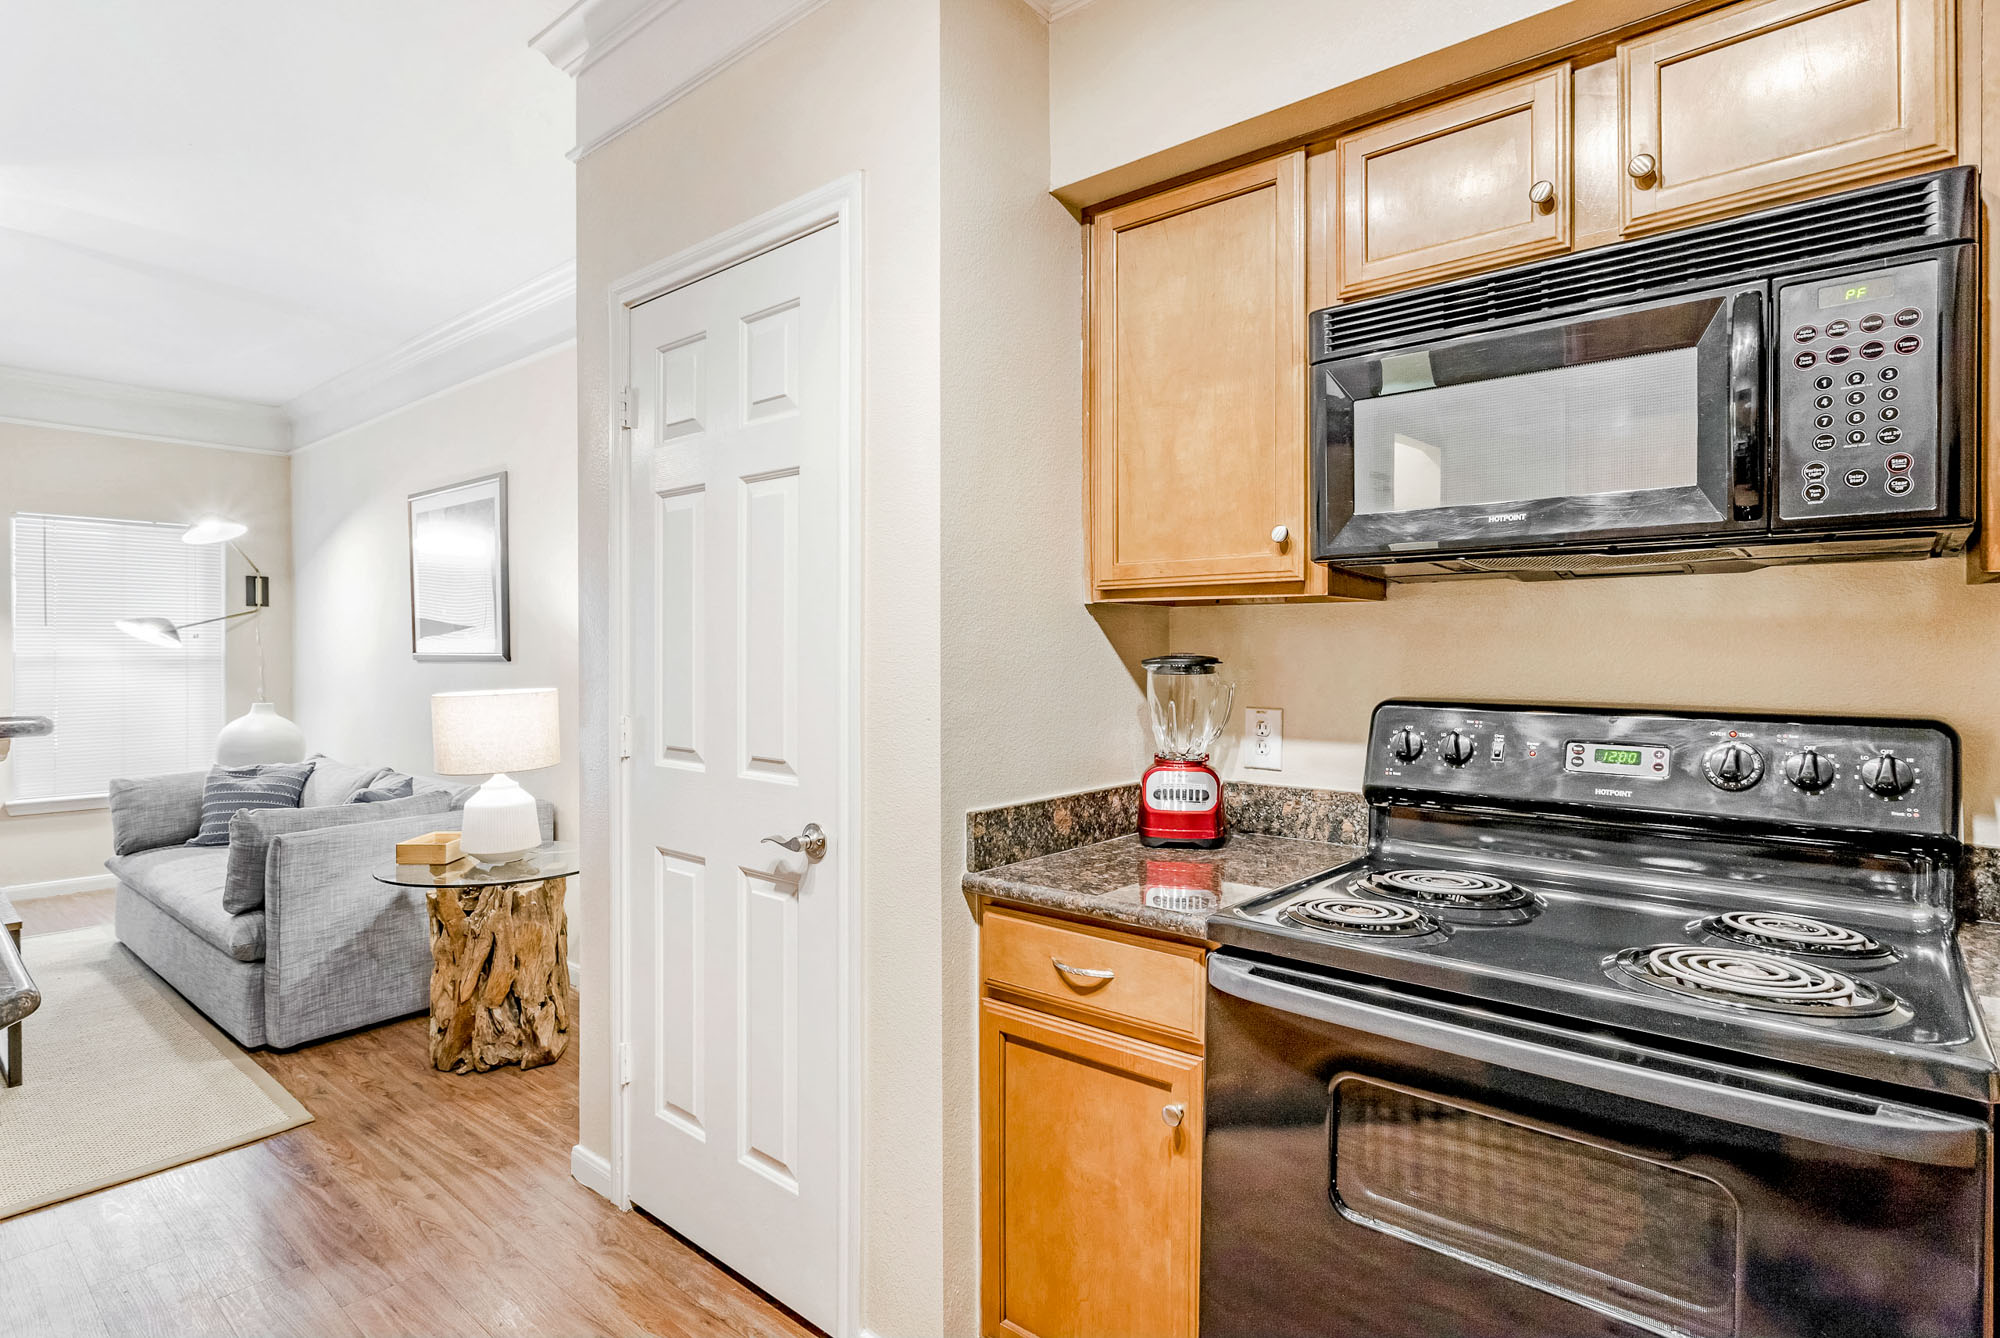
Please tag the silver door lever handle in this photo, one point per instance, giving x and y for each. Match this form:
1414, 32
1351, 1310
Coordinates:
812, 841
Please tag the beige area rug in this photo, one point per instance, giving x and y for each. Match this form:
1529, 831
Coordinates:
124, 1078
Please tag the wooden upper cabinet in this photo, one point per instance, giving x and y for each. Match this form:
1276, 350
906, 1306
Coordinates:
1760, 103
1197, 441
1091, 1194
1479, 181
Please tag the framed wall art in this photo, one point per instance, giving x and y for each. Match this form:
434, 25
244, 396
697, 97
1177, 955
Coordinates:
458, 571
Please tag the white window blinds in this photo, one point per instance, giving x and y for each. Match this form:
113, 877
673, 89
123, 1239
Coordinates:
121, 707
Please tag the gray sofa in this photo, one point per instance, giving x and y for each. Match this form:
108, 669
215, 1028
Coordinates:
283, 936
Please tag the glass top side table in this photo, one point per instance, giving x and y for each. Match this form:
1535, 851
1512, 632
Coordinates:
499, 958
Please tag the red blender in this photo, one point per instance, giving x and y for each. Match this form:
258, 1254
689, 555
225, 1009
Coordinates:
1180, 796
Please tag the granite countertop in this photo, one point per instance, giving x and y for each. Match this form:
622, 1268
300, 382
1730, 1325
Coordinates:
1168, 891
1979, 944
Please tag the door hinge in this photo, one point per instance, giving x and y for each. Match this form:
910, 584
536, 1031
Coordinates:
624, 737
625, 408
625, 1064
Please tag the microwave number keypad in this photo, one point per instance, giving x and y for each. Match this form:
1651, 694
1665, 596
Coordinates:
1857, 394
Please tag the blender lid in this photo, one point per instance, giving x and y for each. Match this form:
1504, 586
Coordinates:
1181, 664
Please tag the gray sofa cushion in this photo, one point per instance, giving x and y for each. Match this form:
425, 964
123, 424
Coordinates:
152, 811
250, 834
460, 789
186, 883
230, 790
389, 785
332, 782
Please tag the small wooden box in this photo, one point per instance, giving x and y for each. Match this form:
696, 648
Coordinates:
430, 848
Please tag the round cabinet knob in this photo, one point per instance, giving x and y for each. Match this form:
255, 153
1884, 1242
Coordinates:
1541, 193
1456, 748
1172, 1115
1733, 766
1810, 769
1279, 534
1406, 745
1888, 775
1643, 167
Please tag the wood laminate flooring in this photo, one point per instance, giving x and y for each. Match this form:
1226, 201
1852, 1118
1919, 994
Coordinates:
416, 1203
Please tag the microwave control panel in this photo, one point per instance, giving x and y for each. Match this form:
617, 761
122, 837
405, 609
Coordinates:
1857, 415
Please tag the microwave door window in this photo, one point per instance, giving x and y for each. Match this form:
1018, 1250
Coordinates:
1625, 426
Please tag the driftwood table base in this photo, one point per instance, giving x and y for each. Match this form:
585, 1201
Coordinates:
499, 976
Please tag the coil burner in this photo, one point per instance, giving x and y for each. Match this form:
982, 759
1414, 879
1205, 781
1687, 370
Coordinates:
1777, 931
1356, 915
1449, 888
1760, 981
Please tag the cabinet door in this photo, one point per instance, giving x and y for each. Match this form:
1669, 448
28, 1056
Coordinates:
1091, 1198
1764, 102
1198, 450
1477, 182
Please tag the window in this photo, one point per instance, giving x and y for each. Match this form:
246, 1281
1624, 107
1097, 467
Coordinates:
121, 707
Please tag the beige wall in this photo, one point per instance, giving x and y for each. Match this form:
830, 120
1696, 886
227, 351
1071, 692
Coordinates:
1907, 638
852, 87
362, 696
1128, 78
1041, 696
64, 472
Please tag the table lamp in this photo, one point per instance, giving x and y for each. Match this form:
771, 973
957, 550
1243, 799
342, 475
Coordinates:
513, 729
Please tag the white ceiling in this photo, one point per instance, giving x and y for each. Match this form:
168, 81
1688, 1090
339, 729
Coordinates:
247, 198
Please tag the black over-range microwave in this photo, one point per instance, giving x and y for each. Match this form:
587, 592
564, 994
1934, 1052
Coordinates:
1793, 385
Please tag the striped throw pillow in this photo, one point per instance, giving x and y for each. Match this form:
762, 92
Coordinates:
230, 790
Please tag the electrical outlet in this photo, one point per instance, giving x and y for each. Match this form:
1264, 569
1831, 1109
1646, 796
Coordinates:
1264, 739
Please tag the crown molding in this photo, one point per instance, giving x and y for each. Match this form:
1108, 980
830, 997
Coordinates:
531, 319
1052, 10
630, 58
80, 403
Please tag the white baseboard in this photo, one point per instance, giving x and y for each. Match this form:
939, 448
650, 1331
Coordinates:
59, 887
590, 1170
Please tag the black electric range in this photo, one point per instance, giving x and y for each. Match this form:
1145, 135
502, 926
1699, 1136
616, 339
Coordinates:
1627, 1022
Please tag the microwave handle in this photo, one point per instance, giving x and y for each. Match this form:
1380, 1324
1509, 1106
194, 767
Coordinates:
1746, 401
1882, 1129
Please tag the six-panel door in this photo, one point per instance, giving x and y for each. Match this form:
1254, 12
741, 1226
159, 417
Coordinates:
737, 678
1470, 184
1198, 316
1760, 103
1091, 1185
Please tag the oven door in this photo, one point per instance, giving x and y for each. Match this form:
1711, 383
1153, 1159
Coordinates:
1398, 1167
1643, 424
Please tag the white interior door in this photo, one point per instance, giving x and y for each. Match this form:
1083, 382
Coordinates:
738, 688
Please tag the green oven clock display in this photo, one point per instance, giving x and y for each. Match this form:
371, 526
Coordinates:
1618, 757
1871, 289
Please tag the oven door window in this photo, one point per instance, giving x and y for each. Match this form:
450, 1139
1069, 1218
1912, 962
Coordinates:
1636, 424
1642, 1240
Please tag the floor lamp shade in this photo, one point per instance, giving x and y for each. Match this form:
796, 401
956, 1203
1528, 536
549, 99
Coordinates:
473, 733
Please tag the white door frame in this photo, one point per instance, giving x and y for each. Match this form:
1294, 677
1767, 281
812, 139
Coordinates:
837, 203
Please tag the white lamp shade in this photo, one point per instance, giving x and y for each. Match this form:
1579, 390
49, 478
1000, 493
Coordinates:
475, 733
213, 530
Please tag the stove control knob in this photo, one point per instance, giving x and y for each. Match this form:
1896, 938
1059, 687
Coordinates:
1888, 775
1810, 769
1457, 748
1406, 744
1733, 766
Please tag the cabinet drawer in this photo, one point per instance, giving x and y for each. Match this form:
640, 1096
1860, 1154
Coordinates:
1153, 985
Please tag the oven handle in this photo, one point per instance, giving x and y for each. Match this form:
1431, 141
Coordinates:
1746, 395
1903, 1133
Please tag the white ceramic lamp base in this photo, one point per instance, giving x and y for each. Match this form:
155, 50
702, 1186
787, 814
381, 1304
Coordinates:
500, 822
259, 735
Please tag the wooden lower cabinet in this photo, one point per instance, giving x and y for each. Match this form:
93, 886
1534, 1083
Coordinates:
1091, 1180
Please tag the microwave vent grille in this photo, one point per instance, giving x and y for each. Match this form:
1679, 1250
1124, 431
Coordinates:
1605, 564
1914, 210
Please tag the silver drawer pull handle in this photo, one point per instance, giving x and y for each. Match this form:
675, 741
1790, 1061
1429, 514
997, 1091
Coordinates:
1090, 977
1173, 1115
